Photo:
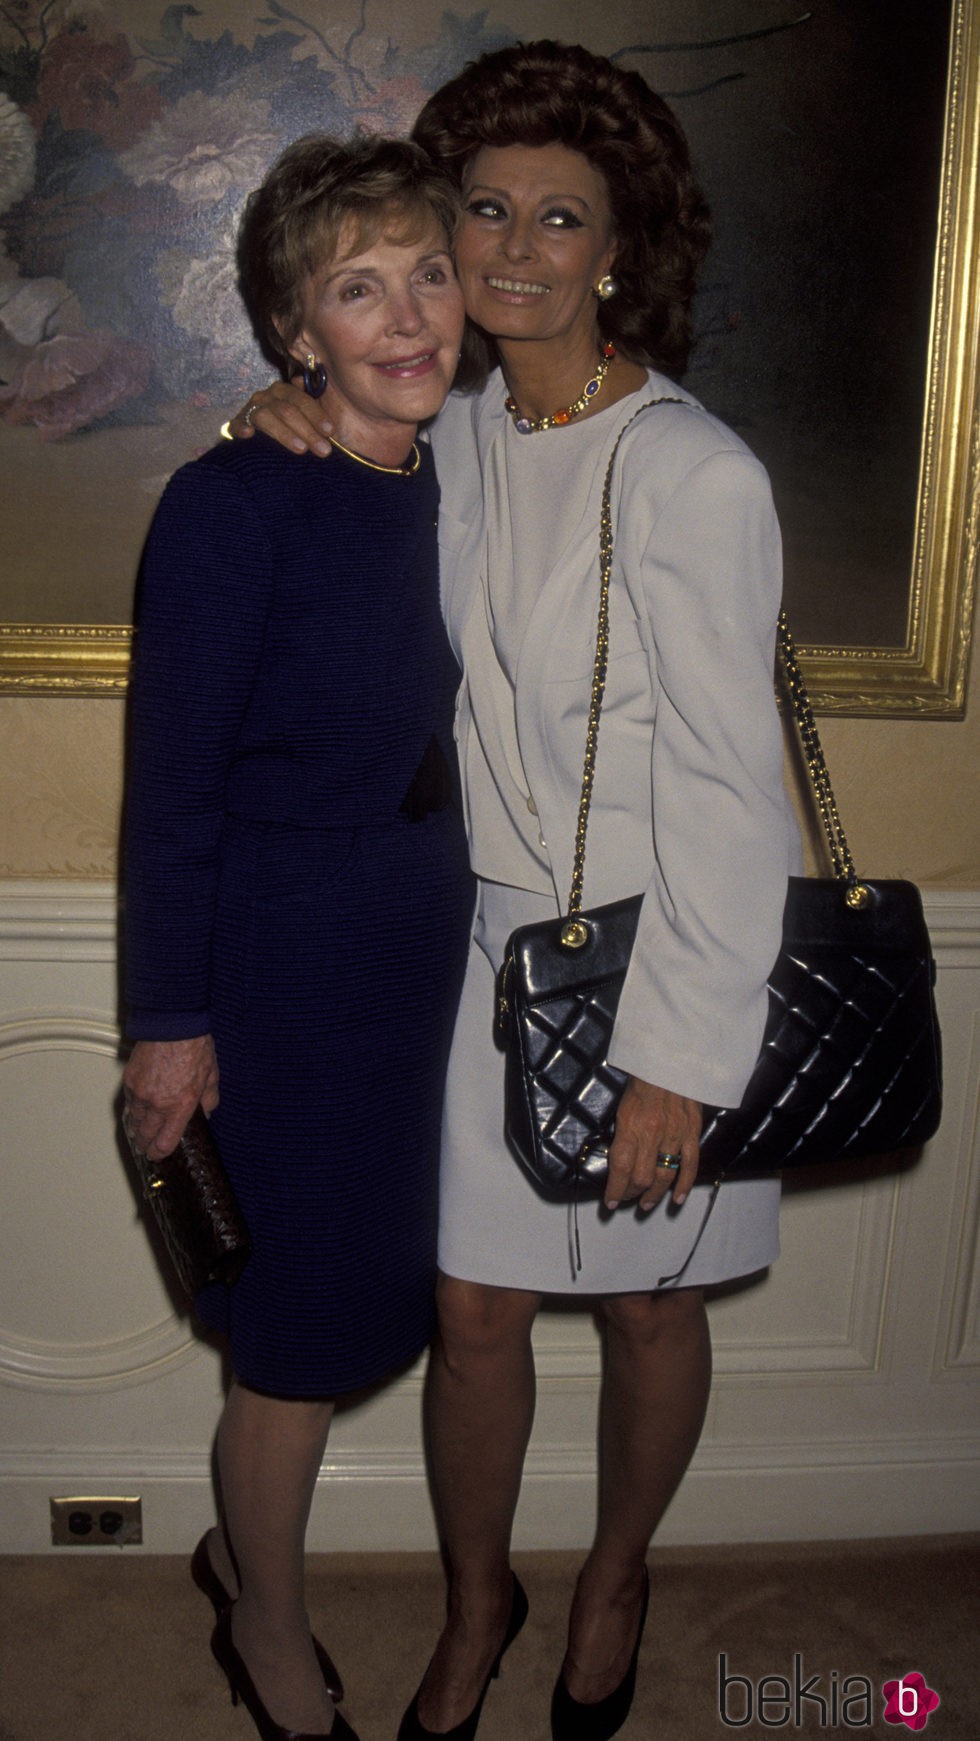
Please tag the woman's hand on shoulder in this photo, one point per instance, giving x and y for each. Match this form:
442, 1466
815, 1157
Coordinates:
652, 1121
288, 415
163, 1082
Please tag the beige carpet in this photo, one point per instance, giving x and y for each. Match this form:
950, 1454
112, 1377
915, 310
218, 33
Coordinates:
115, 1648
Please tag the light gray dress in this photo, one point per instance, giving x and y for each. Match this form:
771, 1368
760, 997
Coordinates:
534, 528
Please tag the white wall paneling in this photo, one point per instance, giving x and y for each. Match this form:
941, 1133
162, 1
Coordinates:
846, 1392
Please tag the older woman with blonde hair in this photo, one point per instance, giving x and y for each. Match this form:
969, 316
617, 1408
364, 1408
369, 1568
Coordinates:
298, 895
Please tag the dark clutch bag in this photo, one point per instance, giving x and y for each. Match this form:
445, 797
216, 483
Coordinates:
850, 1062
194, 1207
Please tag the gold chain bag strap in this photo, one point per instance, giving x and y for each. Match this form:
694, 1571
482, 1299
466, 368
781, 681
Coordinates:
850, 1060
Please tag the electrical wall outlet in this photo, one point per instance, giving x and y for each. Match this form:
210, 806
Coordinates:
86, 1522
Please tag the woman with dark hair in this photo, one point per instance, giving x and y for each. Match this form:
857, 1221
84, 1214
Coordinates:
582, 232
546, 94
298, 896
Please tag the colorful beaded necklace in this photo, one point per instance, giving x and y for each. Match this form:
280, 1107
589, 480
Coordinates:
532, 425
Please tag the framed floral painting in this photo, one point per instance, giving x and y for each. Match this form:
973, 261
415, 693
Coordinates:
837, 321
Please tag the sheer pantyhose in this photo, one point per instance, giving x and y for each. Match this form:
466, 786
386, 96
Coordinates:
479, 1409
269, 1455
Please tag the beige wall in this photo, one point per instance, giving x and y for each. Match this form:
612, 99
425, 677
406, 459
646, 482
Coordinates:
907, 790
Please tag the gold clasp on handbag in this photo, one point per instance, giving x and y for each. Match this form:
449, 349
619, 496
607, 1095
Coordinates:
574, 933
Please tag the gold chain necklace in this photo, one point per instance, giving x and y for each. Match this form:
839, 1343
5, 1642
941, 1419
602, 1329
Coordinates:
407, 470
532, 425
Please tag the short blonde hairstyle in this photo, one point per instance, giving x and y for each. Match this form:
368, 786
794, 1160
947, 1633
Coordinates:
320, 187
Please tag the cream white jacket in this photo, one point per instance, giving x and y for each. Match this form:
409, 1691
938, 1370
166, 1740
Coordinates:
688, 803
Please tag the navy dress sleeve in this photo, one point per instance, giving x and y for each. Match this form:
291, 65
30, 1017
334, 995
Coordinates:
205, 596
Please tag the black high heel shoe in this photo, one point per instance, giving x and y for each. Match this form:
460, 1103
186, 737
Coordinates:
208, 1582
243, 1687
571, 1721
411, 1729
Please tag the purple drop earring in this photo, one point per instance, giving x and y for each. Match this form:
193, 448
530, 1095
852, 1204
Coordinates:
314, 377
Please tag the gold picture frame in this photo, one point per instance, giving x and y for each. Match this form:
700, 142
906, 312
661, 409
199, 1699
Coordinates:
928, 675
923, 676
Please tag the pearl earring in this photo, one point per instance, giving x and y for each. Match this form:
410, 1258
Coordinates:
606, 287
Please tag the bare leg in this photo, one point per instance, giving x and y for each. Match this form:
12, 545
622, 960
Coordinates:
479, 1407
656, 1380
269, 1455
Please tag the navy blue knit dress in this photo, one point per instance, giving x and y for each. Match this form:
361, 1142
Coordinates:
292, 676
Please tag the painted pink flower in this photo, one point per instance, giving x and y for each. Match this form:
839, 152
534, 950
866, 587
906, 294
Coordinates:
69, 382
88, 80
909, 1701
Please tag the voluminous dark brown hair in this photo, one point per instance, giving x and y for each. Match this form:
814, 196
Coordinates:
547, 93
320, 186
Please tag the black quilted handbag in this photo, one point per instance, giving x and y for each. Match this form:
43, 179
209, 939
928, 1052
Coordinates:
195, 1207
850, 1060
